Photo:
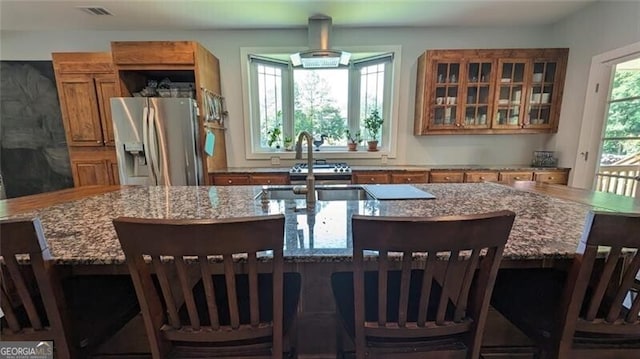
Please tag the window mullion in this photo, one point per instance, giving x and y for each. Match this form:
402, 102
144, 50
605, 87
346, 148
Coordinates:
353, 113
287, 103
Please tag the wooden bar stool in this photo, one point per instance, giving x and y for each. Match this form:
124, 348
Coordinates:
581, 314
246, 311
76, 313
437, 309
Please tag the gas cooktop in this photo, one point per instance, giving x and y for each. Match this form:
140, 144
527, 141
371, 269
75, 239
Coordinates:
322, 167
332, 172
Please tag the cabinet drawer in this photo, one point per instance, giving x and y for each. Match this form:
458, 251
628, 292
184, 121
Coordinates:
556, 177
515, 176
270, 179
231, 180
473, 177
409, 177
370, 177
446, 177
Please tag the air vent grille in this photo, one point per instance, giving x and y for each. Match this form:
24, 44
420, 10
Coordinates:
94, 10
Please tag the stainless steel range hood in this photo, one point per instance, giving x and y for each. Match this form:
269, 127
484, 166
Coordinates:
320, 55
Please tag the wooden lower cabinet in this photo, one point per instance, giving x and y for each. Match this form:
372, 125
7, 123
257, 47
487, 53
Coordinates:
446, 177
512, 176
374, 177
240, 179
231, 179
94, 166
410, 177
478, 176
270, 179
554, 177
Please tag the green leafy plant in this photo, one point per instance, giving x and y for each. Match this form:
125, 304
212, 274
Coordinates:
288, 142
274, 136
355, 138
372, 124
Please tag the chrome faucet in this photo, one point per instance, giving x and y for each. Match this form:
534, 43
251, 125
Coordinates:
310, 189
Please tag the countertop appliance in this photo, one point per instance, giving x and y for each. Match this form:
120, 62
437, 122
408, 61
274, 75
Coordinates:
157, 141
326, 172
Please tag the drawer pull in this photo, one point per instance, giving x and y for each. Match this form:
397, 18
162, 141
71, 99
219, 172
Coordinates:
268, 181
447, 178
229, 181
409, 179
482, 177
550, 178
517, 177
372, 179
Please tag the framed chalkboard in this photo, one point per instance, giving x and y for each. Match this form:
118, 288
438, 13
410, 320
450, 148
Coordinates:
33, 149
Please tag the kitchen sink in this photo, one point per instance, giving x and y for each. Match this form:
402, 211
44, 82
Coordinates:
343, 194
323, 193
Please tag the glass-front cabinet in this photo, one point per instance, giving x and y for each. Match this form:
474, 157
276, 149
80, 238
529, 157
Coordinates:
489, 91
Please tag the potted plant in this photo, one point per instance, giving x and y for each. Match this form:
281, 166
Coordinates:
372, 124
274, 136
353, 140
288, 143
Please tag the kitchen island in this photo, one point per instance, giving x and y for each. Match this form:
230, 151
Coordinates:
80, 232
81, 238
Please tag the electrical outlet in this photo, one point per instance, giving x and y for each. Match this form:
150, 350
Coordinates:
275, 160
383, 159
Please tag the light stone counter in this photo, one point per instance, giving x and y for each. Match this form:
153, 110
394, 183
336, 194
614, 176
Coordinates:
81, 232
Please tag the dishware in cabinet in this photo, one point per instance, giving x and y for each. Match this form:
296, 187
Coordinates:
477, 95
510, 92
445, 96
545, 89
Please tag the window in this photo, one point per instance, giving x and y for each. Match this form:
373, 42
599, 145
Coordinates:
283, 100
620, 149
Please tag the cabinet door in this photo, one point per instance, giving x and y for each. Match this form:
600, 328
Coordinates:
270, 179
409, 177
153, 52
446, 177
510, 177
106, 89
370, 178
91, 172
545, 89
80, 111
445, 76
511, 92
114, 176
477, 96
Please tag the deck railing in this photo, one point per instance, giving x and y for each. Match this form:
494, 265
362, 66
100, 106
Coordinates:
618, 179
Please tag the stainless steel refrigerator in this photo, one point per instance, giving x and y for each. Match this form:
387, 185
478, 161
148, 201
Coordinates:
157, 141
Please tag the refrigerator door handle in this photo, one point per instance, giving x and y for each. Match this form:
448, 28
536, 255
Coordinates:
153, 142
145, 143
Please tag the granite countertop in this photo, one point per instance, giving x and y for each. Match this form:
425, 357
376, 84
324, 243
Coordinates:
81, 231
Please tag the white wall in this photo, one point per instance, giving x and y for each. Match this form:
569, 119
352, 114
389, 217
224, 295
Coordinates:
425, 150
601, 27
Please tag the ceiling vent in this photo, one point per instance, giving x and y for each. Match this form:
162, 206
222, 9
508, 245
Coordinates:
95, 10
320, 55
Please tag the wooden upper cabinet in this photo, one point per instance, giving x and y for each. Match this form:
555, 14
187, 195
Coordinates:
105, 90
79, 106
85, 82
498, 91
153, 52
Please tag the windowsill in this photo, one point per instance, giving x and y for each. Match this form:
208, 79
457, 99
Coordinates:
326, 154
